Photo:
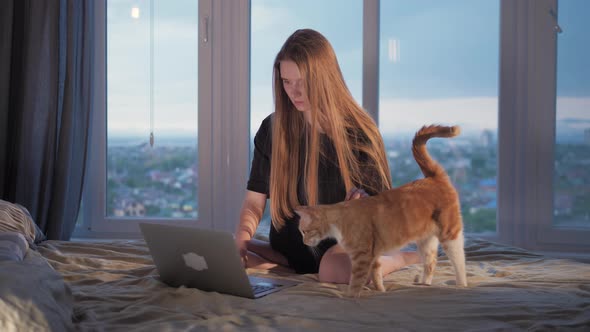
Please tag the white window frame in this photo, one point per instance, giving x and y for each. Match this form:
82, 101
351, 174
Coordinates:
550, 237
526, 123
223, 123
527, 130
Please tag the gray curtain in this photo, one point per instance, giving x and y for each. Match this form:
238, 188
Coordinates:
46, 57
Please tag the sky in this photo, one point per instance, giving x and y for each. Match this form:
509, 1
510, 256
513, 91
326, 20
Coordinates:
438, 60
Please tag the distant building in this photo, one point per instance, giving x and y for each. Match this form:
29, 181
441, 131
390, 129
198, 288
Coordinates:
564, 203
489, 184
487, 138
135, 209
129, 209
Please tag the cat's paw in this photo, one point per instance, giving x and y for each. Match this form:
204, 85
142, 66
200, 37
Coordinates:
353, 293
377, 283
380, 287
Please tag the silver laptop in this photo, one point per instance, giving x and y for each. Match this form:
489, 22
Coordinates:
204, 259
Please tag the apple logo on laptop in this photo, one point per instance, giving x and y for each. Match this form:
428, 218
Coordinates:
195, 261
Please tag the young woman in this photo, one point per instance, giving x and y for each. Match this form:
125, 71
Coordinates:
318, 147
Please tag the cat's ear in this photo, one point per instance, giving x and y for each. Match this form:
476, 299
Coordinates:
300, 209
303, 212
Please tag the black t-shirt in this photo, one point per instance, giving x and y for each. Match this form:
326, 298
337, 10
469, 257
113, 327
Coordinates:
331, 186
331, 189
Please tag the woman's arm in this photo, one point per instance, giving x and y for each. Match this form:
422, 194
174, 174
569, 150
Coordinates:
250, 215
256, 253
356, 193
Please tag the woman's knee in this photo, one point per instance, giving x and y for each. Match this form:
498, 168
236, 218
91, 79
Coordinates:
334, 268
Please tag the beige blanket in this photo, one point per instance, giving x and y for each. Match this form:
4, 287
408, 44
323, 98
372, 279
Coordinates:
116, 288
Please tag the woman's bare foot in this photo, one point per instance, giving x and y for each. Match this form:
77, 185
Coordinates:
254, 261
410, 257
335, 266
261, 256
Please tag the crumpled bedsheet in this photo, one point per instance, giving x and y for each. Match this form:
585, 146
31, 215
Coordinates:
116, 288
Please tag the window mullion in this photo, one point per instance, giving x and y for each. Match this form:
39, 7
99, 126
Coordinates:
205, 126
230, 42
371, 58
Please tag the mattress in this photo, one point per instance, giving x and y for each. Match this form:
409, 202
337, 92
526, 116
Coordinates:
115, 287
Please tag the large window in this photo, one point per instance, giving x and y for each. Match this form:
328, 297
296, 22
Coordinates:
439, 65
163, 129
498, 68
572, 141
152, 108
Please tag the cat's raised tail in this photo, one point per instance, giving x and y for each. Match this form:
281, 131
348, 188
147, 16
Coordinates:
429, 167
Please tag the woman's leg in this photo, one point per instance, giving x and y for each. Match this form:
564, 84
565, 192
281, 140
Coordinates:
335, 265
262, 256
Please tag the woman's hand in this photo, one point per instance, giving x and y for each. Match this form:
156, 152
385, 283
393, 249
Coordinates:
356, 193
250, 215
242, 239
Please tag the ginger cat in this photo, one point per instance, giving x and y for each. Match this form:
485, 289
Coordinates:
425, 211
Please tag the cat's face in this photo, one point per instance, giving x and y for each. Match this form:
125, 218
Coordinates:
311, 226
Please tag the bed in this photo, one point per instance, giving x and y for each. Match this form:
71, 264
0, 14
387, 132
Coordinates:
113, 286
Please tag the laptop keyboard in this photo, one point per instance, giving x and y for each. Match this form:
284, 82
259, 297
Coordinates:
263, 287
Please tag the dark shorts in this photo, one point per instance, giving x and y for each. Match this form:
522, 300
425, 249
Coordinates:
289, 242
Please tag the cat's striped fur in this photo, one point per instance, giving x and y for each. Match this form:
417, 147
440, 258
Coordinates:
426, 211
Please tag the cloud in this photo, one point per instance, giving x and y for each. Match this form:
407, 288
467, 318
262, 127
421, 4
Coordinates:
261, 105
266, 17
473, 112
573, 107
397, 115
401, 115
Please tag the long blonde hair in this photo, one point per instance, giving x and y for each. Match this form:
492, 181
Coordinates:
333, 109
